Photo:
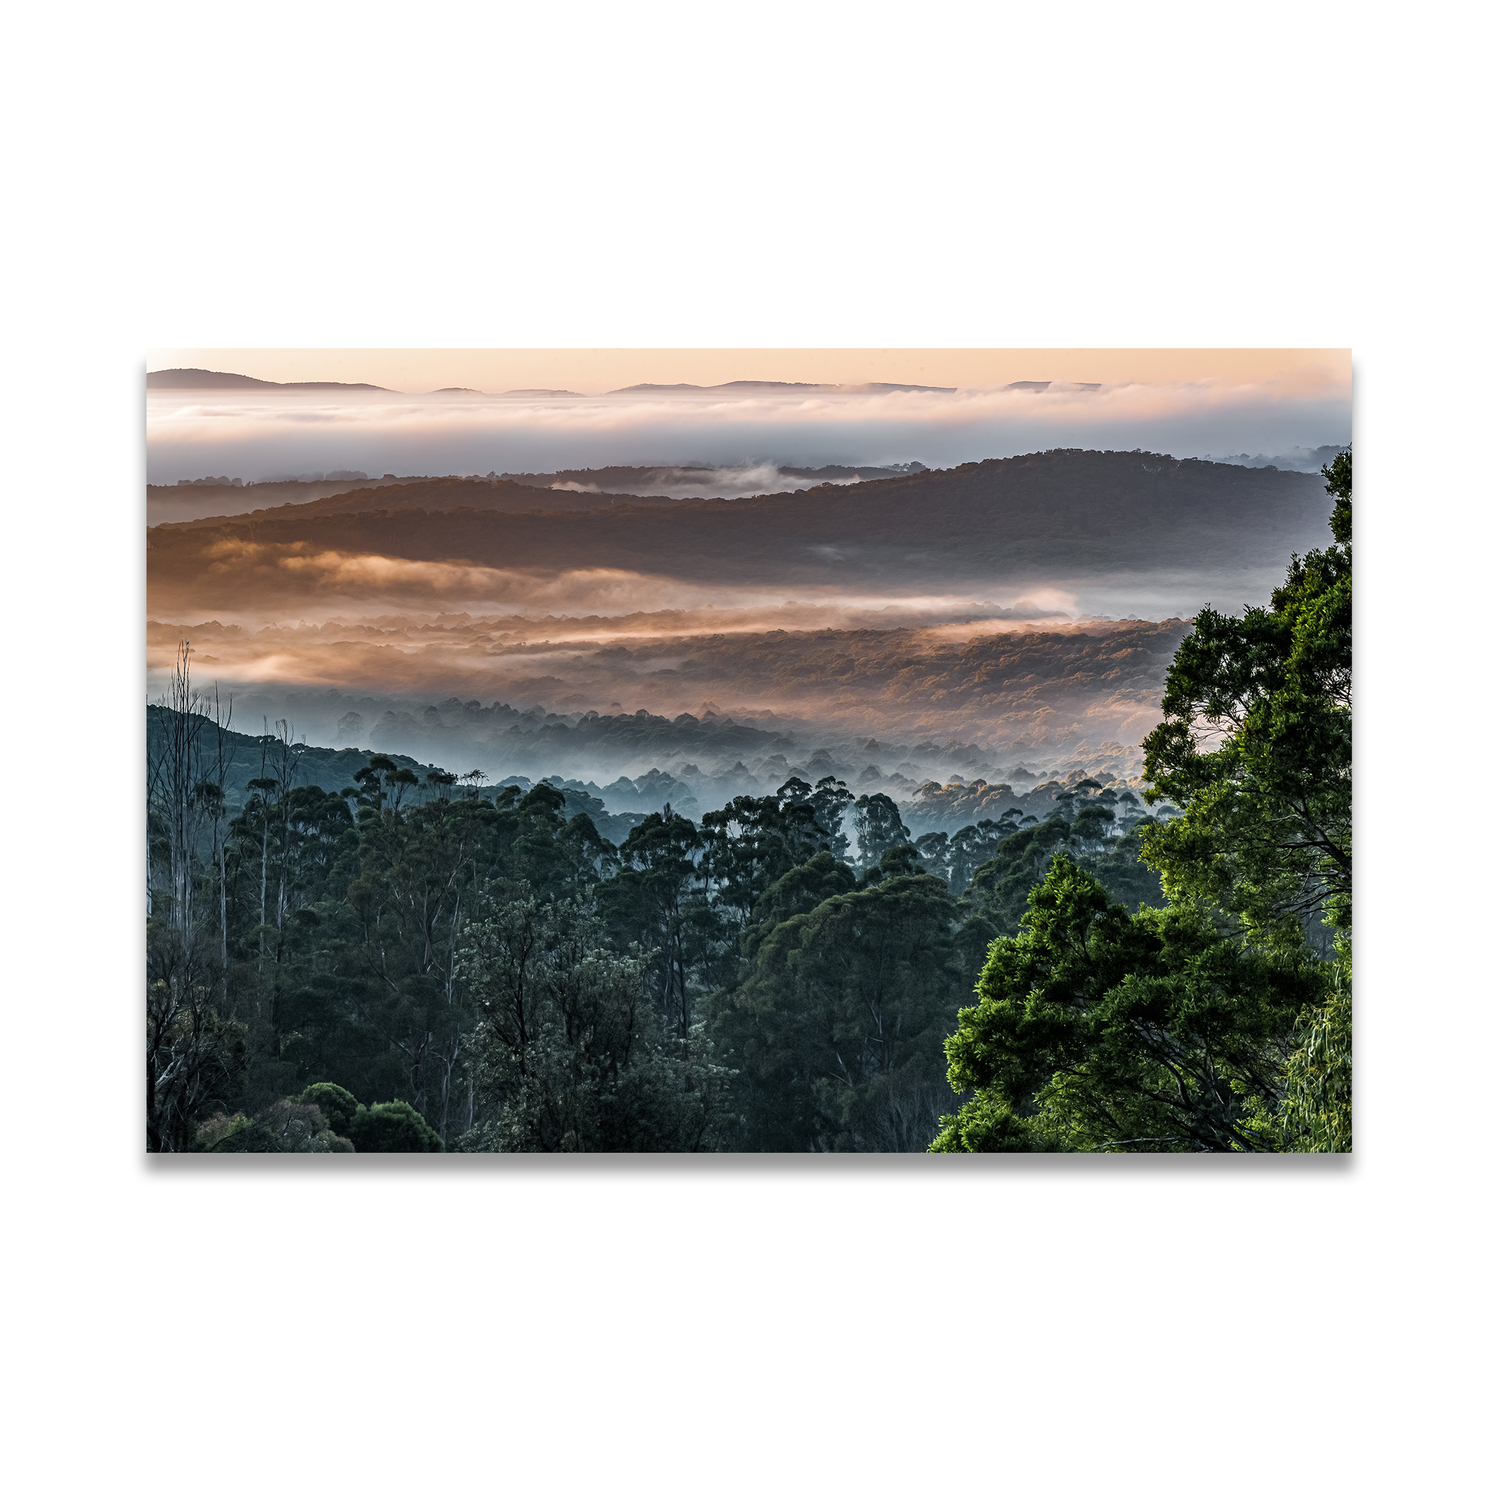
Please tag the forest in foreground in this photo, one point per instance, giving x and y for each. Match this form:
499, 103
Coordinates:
407, 963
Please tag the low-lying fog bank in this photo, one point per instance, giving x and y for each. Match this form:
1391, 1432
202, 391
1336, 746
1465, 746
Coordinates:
697, 719
256, 430
767, 761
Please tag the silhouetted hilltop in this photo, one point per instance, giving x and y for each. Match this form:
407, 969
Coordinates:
415, 496
220, 380
869, 387
166, 503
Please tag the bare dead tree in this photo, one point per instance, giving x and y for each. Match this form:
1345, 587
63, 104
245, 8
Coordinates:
172, 776
192, 1051
221, 761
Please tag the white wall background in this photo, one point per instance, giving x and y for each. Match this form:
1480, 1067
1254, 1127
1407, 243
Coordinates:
338, 175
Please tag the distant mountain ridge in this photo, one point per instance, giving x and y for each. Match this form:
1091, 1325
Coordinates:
867, 388
222, 380
219, 380
438, 495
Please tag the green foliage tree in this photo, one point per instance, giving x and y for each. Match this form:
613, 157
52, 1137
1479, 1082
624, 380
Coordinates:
752, 842
338, 1106
288, 1125
877, 827
970, 848
570, 1054
802, 889
835, 1029
1101, 1031
394, 1127
828, 801
195, 1057
659, 901
1000, 886
1256, 747
1315, 1111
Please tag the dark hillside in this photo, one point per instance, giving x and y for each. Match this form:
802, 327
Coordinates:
333, 770
220, 380
329, 769
169, 503
392, 496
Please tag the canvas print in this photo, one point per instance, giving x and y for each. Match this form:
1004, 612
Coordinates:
749, 751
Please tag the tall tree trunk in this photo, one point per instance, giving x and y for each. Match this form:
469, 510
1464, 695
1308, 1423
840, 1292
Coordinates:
223, 933
265, 833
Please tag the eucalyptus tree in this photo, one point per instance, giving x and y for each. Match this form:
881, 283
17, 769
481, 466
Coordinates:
751, 843
937, 856
419, 874
830, 801
847, 986
877, 828
660, 900
970, 848
570, 1053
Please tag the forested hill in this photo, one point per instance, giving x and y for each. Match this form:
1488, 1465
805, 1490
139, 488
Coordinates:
244, 760
409, 496
247, 757
172, 504
1063, 513
204, 500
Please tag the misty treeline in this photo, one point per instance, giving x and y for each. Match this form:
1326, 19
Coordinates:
405, 963
471, 972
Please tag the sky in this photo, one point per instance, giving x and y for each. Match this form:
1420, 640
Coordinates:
1190, 403
592, 371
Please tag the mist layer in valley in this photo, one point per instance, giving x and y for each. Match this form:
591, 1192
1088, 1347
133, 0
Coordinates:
718, 714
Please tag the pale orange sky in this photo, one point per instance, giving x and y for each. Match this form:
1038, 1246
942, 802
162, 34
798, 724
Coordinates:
590, 371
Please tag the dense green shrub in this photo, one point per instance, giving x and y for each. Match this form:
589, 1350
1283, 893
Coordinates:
392, 1127
337, 1105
